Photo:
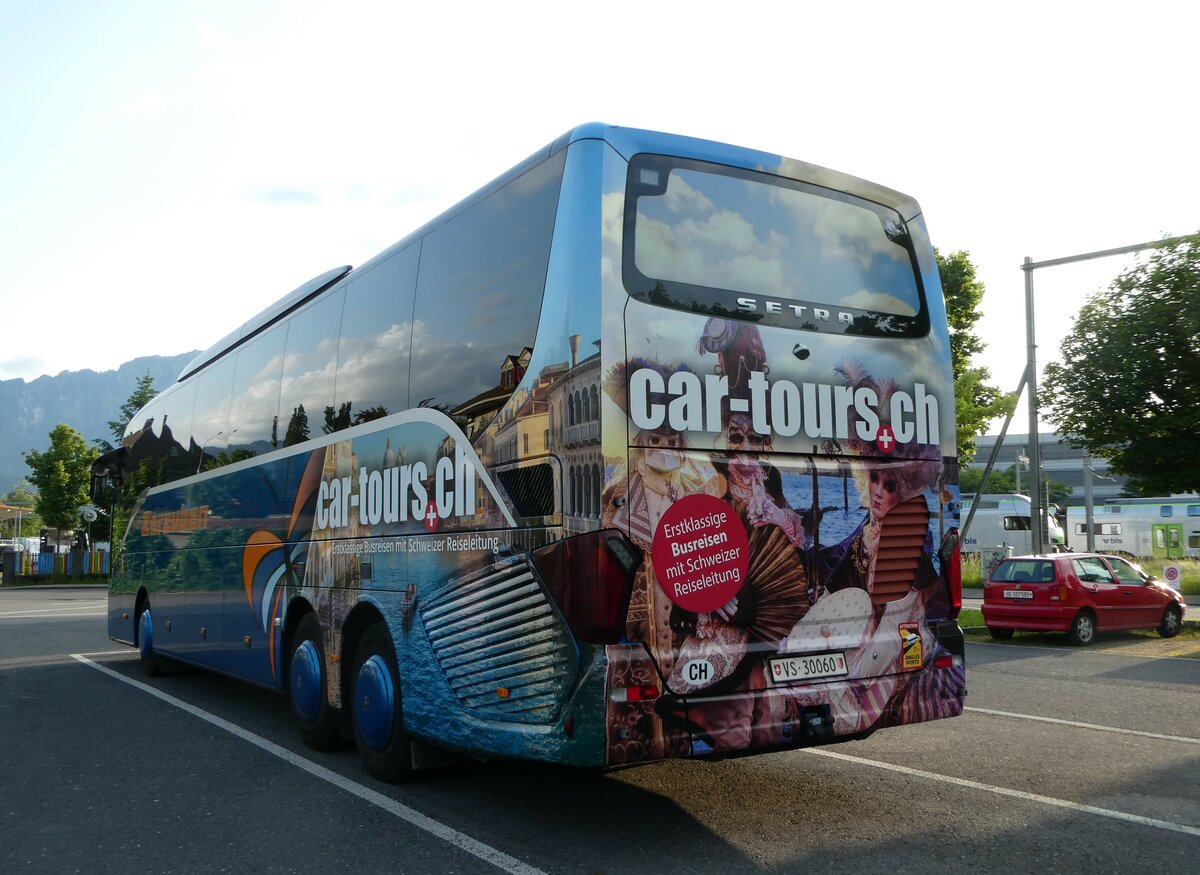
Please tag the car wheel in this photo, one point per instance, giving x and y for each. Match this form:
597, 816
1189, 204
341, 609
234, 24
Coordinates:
1169, 627
1083, 629
376, 707
1000, 634
317, 721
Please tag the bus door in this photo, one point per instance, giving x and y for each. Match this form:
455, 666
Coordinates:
1167, 540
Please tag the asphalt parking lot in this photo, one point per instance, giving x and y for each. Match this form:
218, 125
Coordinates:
1066, 760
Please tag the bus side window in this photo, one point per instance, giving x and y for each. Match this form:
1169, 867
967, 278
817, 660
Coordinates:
253, 424
373, 351
210, 422
306, 402
479, 289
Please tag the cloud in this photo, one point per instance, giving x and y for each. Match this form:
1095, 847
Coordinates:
286, 196
20, 365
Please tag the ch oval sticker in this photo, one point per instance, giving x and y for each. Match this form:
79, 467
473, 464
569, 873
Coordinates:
698, 672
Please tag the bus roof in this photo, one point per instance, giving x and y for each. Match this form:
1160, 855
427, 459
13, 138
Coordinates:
627, 142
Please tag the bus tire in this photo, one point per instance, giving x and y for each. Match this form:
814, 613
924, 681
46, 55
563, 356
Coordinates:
1083, 629
316, 720
153, 663
1171, 620
1000, 634
376, 707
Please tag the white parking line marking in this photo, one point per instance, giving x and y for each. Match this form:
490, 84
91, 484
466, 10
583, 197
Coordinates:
1015, 794
421, 821
1185, 739
51, 613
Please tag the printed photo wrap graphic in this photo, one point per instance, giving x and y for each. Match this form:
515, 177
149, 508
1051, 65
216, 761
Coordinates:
701, 553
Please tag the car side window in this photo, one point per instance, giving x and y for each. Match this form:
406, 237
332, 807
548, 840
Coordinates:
1090, 570
1126, 573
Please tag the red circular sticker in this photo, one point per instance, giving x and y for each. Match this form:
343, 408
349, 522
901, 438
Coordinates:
700, 553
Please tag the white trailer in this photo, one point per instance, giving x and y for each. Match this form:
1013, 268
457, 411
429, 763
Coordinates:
1002, 520
1151, 528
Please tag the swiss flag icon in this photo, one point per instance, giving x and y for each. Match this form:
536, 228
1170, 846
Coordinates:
886, 439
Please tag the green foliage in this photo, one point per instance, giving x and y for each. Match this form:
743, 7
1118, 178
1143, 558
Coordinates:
63, 477
1128, 387
977, 402
297, 430
141, 396
21, 496
1006, 481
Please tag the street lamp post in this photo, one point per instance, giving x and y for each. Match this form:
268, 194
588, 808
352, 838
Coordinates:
1035, 462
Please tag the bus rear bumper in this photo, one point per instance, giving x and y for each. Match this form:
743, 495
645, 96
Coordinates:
750, 714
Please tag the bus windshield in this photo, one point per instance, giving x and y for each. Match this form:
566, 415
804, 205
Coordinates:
717, 239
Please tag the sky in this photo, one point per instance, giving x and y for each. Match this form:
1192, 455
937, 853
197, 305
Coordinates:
169, 169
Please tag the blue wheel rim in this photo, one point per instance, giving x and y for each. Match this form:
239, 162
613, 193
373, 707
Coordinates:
146, 635
307, 683
374, 703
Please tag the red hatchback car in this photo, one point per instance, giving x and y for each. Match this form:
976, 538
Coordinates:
1077, 593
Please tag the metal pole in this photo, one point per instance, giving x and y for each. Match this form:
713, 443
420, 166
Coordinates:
1087, 503
1035, 460
987, 469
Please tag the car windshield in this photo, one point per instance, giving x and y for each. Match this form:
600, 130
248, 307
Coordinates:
1024, 571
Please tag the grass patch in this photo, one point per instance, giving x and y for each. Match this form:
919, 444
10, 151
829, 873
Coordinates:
970, 618
972, 577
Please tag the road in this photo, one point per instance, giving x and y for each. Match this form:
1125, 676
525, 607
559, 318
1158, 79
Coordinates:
1066, 760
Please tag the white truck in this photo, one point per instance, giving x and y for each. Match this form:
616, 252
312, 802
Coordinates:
1002, 520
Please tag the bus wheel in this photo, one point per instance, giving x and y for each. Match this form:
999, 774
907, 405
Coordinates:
1083, 629
376, 709
1169, 627
317, 721
152, 663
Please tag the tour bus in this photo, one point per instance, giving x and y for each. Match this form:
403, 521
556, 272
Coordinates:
1002, 520
644, 450
1150, 528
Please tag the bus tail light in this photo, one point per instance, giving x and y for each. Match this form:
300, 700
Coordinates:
641, 693
590, 578
951, 559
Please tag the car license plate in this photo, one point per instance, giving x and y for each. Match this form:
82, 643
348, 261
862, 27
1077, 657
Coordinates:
782, 669
1018, 593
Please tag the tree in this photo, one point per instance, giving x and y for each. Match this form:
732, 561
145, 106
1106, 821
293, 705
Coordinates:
1128, 386
63, 476
1005, 481
142, 393
21, 496
297, 430
976, 401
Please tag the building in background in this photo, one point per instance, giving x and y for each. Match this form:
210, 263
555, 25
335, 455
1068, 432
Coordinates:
1060, 462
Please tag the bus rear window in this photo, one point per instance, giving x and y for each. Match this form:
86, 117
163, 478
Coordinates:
730, 242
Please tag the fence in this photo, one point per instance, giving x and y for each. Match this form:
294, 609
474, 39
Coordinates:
73, 564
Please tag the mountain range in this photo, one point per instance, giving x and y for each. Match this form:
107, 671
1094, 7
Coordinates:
85, 400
